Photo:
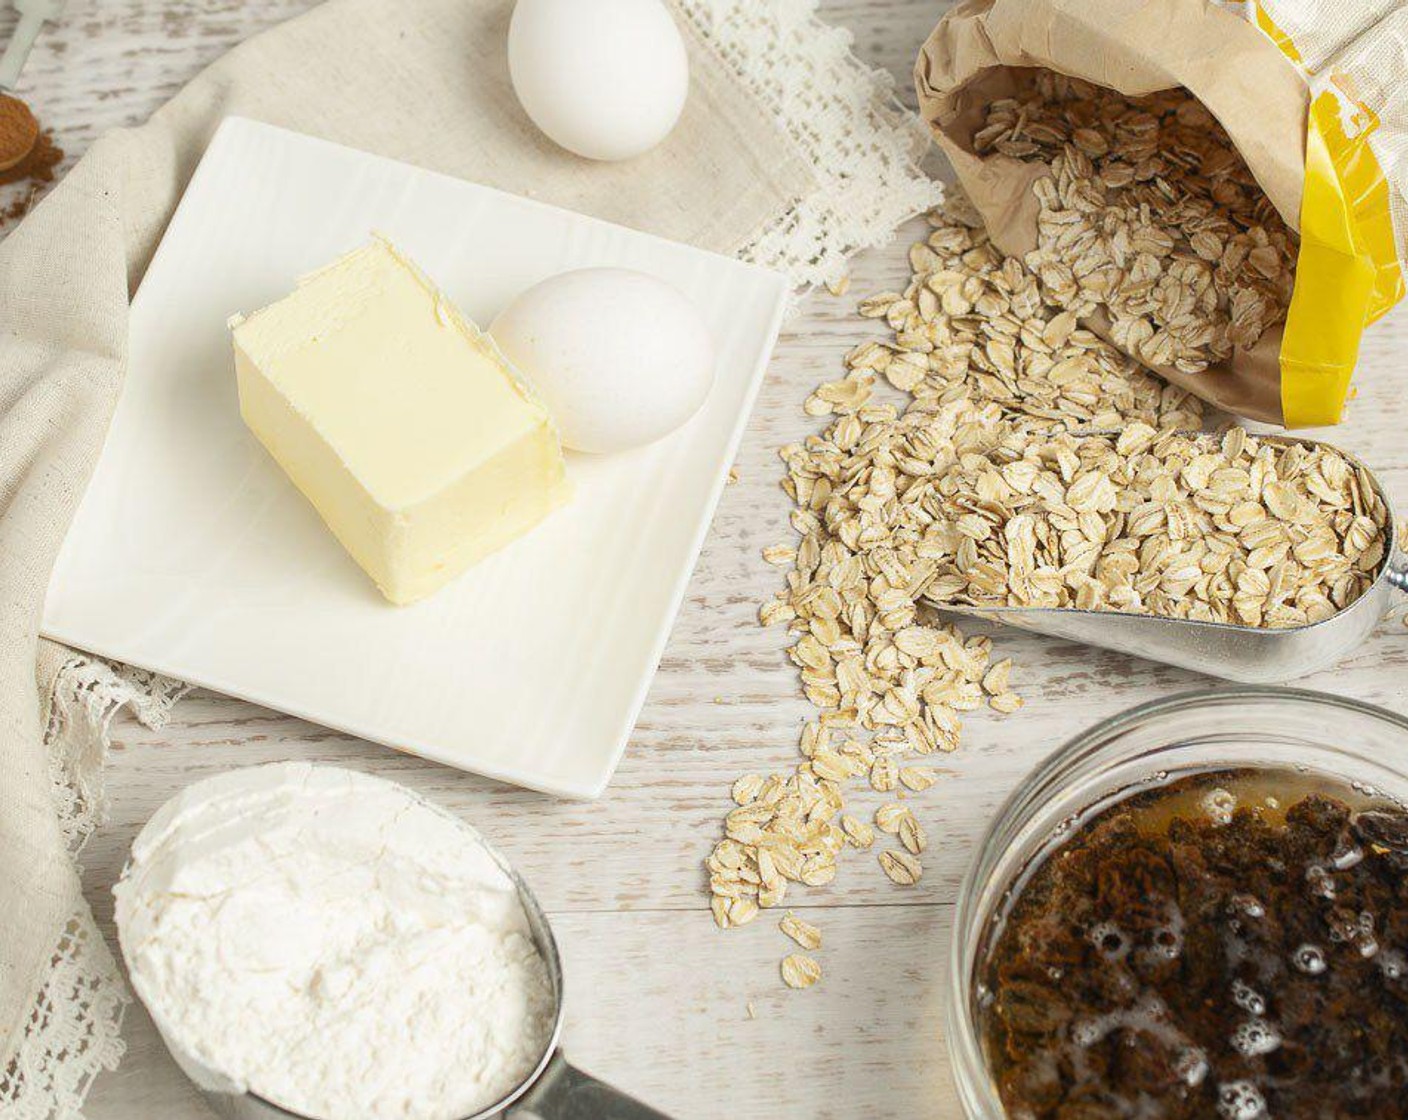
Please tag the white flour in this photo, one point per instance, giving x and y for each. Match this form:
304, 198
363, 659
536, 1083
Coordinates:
334, 944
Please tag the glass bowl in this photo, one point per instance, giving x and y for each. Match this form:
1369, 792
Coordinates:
1285, 729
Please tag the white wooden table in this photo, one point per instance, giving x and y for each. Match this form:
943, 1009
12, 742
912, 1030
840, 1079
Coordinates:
659, 999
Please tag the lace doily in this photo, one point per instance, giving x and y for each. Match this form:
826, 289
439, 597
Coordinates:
863, 146
73, 1031
74, 1028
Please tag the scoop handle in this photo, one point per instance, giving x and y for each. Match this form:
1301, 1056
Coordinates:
1396, 572
564, 1092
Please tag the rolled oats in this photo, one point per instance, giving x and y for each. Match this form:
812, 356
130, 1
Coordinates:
1150, 217
860, 834
883, 775
747, 788
799, 971
1231, 529
1005, 702
802, 932
917, 778
889, 818
912, 835
975, 489
902, 868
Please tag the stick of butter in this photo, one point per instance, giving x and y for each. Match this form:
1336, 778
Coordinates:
398, 419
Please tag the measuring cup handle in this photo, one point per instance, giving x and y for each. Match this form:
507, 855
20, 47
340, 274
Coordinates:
566, 1093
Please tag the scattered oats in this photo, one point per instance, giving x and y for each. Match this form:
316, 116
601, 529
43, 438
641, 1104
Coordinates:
732, 476
1005, 702
776, 611
831, 765
840, 286
819, 869
995, 680
799, 971
860, 834
747, 788
917, 778
971, 489
888, 818
912, 835
884, 774
878, 307
813, 734
975, 330
742, 911
751, 1013
802, 932
779, 554
902, 868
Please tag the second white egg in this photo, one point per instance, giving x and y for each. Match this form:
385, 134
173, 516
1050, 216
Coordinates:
619, 358
606, 79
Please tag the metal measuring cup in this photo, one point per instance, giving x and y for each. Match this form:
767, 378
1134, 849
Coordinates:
553, 1090
1252, 655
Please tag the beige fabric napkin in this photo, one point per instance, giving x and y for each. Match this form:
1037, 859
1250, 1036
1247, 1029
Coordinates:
788, 152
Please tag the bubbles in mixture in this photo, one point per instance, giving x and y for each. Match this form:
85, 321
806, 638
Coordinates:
1356, 930
1347, 854
1166, 942
1247, 999
1255, 1037
1162, 943
1087, 1032
1309, 959
1240, 1100
1320, 882
1219, 804
1109, 940
1191, 1067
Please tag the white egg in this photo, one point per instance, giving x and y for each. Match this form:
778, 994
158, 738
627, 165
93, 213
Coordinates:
606, 79
619, 358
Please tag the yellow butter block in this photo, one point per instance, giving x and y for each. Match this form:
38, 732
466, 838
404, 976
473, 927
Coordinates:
398, 419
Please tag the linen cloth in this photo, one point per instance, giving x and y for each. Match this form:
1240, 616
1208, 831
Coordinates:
788, 152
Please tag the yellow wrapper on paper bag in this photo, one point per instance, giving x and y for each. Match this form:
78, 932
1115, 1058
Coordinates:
1314, 96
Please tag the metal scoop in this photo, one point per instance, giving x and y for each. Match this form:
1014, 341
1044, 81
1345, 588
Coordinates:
1253, 655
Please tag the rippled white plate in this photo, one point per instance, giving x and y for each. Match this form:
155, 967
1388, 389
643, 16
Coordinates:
193, 555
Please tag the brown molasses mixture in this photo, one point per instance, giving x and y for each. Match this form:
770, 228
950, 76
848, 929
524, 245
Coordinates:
1230, 945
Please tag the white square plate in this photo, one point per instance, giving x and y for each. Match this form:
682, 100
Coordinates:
193, 555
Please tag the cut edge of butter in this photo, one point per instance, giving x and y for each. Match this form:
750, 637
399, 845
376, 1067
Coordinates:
418, 443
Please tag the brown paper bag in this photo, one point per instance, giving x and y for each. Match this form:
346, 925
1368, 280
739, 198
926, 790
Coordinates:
1136, 47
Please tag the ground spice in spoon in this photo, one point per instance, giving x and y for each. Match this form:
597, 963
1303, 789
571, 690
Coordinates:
18, 132
27, 155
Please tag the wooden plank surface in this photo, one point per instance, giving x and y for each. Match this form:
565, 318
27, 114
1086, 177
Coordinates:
658, 998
